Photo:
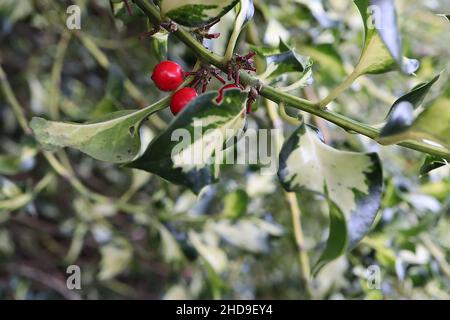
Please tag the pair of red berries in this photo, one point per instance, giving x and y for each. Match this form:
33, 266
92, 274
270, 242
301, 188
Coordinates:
168, 76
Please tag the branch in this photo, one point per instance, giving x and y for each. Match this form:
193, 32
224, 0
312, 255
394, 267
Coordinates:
273, 94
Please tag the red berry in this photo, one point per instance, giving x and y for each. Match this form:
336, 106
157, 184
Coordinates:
181, 98
221, 90
167, 75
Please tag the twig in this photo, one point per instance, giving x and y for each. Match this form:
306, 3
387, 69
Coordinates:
305, 269
55, 90
437, 253
11, 99
300, 241
55, 283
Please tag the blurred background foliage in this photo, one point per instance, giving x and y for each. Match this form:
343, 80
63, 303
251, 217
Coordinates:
135, 235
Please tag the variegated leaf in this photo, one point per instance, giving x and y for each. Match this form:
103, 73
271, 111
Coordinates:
382, 51
350, 181
246, 12
189, 151
195, 13
282, 61
431, 163
113, 138
432, 124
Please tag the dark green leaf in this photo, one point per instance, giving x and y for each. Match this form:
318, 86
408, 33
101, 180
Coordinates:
195, 13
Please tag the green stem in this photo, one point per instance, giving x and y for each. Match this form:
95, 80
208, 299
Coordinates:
239, 22
11, 98
184, 36
303, 258
55, 91
336, 92
291, 197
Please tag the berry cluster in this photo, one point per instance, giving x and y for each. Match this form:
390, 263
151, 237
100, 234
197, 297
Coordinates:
168, 76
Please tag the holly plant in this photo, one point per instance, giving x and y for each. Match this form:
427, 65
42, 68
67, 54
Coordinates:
235, 79
350, 183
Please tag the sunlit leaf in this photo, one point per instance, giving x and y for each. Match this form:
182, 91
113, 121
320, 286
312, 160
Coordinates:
317, 10
116, 257
382, 51
208, 247
114, 138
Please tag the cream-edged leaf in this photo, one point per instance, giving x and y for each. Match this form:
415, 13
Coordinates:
351, 181
112, 138
189, 151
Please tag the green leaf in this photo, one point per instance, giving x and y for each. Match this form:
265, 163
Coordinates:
432, 124
120, 11
171, 251
246, 12
16, 10
116, 256
188, 151
11, 164
337, 240
195, 13
235, 204
248, 234
13, 198
159, 42
114, 138
284, 60
382, 51
447, 16
350, 181
208, 248
417, 95
431, 163
328, 60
